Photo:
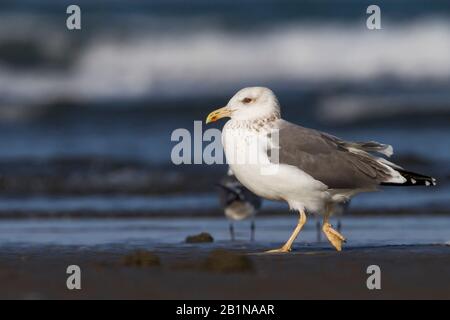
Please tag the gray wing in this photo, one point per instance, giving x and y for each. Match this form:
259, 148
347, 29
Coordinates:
334, 162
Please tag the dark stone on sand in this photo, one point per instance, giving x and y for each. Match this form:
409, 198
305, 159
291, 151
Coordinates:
141, 258
200, 238
224, 261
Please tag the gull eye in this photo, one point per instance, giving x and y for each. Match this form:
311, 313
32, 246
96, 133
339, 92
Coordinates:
247, 100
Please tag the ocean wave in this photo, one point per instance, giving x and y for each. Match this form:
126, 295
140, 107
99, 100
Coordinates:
345, 109
200, 62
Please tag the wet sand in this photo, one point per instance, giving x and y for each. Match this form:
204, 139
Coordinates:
309, 272
413, 253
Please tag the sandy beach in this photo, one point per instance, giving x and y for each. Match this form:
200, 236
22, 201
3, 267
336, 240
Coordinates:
408, 272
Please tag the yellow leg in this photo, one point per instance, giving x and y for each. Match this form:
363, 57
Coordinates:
288, 245
335, 238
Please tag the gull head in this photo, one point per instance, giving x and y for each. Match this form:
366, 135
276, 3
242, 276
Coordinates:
251, 103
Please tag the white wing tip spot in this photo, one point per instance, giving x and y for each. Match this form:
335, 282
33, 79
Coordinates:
389, 151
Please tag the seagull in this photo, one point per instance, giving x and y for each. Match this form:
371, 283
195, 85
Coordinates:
238, 202
312, 171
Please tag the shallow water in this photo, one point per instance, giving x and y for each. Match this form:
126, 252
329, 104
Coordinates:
270, 231
391, 198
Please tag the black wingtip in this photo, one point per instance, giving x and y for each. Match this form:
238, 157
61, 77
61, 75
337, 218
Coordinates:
413, 179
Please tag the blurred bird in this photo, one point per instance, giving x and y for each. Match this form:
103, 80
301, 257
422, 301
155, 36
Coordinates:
238, 202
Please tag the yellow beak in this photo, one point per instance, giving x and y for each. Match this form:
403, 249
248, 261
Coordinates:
218, 114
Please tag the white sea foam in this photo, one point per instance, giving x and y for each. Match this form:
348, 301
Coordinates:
218, 61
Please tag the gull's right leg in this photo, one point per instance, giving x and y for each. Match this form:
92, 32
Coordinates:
288, 245
335, 238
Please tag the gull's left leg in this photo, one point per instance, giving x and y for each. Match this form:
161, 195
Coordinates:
288, 245
333, 236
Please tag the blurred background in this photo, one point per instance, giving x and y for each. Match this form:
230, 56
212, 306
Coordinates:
86, 116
